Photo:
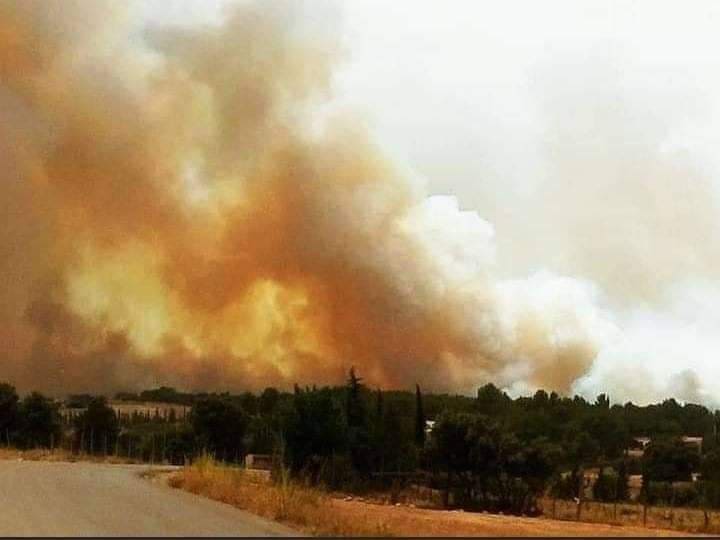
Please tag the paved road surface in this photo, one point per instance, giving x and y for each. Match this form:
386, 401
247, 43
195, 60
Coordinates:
86, 499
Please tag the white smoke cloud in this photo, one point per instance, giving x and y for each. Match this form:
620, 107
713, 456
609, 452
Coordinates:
666, 351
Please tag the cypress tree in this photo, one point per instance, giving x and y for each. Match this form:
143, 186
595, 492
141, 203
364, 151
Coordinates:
622, 492
358, 432
419, 418
379, 433
355, 410
380, 406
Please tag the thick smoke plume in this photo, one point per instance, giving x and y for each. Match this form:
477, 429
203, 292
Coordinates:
178, 210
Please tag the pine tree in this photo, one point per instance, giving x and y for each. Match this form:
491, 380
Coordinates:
358, 432
379, 433
355, 410
419, 418
622, 491
380, 406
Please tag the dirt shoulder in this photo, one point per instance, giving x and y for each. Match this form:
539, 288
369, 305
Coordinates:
59, 455
408, 521
317, 513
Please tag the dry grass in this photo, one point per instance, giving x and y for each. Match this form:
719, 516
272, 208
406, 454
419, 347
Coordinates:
318, 513
287, 501
681, 519
43, 454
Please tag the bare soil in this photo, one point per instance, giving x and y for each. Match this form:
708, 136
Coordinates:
408, 521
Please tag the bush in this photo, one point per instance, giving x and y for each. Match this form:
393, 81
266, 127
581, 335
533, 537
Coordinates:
605, 487
97, 428
39, 422
8, 411
566, 486
687, 495
669, 494
337, 473
180, 447
220, 424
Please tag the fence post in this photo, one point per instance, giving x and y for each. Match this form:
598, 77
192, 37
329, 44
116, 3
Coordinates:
581, 489
672, 506
644, 514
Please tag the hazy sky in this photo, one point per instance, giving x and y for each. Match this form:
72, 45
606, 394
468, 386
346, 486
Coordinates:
585, 132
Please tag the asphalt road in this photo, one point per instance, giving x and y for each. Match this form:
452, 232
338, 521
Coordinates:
86, 499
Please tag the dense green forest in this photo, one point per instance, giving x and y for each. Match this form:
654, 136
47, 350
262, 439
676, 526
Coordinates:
487, 451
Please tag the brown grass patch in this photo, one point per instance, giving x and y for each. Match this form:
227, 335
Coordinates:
623, 514
58, 454
286, 501
316, 512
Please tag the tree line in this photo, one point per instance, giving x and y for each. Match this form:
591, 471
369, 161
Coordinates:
487, 451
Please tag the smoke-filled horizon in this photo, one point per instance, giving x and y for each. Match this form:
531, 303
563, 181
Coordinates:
195, 206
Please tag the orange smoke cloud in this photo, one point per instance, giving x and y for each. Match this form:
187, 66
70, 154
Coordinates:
175, 215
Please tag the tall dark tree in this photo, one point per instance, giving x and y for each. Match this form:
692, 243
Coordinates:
379, 406
491, 401
669, 461
605, 487
397, 450
602, 401
378, 434
220, 424
622, 490
39, 422
710, 475
419, 418
8, 411
451, 449
268, 401
358, 432
313, 431
355, 408
97, 427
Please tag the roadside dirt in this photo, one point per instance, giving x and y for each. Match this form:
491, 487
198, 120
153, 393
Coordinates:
316, 512
408, 521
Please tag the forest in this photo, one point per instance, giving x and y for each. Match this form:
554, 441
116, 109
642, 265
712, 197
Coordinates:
483, 452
